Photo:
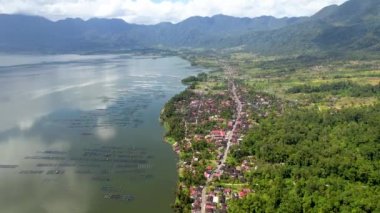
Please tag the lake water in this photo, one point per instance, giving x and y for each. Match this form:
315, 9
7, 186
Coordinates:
81, 133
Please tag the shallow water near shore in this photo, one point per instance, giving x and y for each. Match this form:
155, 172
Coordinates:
81, 133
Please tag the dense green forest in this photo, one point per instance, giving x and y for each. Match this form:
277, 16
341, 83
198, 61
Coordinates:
173, 120
194, 79
313, 161
347, 88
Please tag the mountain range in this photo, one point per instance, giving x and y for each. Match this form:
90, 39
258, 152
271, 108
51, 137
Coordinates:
352, 26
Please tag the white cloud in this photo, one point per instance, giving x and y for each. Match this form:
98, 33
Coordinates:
150, 12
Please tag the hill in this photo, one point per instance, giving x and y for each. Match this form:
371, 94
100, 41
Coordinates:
352, 26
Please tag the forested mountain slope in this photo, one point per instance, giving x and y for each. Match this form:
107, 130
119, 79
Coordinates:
352, 26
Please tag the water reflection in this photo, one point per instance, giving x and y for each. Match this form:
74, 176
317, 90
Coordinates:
29, 187
75, 89
81, 134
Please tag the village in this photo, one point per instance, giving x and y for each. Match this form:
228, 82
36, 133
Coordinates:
214, 123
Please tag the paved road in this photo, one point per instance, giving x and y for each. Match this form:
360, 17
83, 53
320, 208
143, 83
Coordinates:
239, 108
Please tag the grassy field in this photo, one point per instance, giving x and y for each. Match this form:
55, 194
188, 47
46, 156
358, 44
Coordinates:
276, 76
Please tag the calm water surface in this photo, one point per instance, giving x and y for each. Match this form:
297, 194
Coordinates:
81, 133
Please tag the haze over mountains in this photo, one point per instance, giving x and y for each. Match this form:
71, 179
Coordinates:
353, 26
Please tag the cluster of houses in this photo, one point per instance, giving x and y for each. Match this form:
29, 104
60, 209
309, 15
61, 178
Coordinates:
201, 110
216, 198
196, 196
262, 104
236, 173
207, 109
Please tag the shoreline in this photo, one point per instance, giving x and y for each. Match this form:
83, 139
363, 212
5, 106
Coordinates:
170, 140
186, 112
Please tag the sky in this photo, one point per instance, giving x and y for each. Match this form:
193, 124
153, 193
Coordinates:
155, 11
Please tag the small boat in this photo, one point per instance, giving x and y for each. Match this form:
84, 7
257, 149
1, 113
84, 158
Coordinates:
55, 172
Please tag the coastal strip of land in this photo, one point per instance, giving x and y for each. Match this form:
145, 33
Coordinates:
221, 111
261, 133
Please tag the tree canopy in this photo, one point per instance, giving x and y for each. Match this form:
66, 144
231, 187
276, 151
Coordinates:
312, 161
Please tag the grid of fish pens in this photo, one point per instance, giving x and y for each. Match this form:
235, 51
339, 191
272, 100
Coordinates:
99, 164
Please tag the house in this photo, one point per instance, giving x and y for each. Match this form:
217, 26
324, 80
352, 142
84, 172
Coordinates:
194, 104
217, 175
238, 123
218, 134
198, 137
227, 191
230, 124
193, 192
244, 192
207, 174
210, 207
215, 199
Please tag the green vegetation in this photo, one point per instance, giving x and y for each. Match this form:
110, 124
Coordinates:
346, 88
183, 197
315, 161
194, 79
312, 80
172, 119
313, 142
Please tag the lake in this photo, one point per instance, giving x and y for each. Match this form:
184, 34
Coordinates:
82, 134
